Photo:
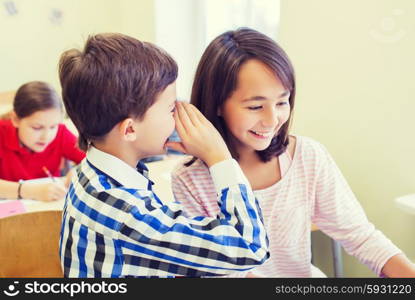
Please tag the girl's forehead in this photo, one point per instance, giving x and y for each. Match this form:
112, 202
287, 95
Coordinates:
256, 74
45, 116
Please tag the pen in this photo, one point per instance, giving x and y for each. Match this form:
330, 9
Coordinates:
47, 172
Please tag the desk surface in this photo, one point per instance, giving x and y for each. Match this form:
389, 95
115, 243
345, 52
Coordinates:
160, 173
40, 206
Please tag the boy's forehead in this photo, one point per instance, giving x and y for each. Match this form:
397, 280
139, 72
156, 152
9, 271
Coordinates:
167, 96
169, 93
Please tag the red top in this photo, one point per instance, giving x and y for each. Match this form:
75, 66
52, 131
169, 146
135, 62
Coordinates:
18, 162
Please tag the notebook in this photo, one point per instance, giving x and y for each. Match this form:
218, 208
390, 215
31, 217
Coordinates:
10, 208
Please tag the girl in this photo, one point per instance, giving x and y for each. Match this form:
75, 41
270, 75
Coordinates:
245, 86
33, 144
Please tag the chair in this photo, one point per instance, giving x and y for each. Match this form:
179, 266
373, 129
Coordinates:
29, 245
336, 250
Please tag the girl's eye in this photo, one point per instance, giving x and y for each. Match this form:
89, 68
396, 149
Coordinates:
254, 107
36, 128
282, 103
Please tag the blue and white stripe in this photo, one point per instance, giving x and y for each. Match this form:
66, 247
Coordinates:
115, 226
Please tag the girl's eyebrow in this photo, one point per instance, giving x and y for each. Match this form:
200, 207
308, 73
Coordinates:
255, 98
262, 98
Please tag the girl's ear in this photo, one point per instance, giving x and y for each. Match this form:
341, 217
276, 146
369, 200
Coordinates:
127, 130
14, 118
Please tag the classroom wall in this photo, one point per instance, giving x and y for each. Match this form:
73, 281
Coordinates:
32, 40
355, 67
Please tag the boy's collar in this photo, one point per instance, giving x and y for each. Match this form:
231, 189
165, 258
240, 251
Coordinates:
118, 169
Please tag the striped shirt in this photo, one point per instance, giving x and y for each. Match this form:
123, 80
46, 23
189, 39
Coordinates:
115, 226
312, 190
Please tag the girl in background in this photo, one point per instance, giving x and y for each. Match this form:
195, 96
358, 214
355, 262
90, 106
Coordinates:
245, 86
33, 143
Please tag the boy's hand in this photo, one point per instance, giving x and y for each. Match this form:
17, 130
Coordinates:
198, 136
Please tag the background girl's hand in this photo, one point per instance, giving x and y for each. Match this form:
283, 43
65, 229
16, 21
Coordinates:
198, 136
46, 192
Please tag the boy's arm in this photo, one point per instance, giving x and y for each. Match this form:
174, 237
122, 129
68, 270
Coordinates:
202, 246
194, 195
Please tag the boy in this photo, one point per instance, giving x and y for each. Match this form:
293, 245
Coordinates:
120, 94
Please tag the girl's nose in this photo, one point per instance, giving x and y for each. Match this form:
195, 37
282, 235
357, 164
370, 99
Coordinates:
270, 118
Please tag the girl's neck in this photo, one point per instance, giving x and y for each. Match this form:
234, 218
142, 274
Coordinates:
259, 174
248, 158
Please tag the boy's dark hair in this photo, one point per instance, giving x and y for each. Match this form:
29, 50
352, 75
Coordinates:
217, 74
113, 78
35, 96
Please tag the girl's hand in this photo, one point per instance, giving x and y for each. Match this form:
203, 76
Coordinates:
46, 192
198, 136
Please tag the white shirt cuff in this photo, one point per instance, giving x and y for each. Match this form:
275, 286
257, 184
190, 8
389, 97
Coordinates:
227, 173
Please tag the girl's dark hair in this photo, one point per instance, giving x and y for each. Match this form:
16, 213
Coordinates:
217, 74
35, 96
114, 77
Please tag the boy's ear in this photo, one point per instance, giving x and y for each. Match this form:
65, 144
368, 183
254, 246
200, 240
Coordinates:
127, 130
14, 118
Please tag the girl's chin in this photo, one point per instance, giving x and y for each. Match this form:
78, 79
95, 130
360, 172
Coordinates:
257, 147
38, 148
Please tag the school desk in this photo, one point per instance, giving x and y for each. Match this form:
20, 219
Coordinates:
30, 245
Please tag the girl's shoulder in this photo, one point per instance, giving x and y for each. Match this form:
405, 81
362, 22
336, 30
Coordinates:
6, 128
307, 147
5, 123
